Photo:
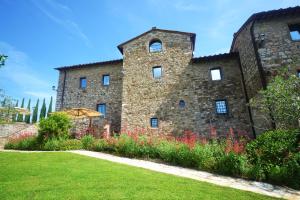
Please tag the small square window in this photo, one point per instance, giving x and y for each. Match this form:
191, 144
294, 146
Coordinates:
156, 72
83, 83
298, 73
215, 74
181, 104
295, 32
102, 108
105, 80
221, 107
154, 122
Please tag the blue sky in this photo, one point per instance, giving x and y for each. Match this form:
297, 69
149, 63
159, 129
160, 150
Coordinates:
39, 35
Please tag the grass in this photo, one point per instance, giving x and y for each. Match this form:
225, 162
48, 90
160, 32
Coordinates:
62, 175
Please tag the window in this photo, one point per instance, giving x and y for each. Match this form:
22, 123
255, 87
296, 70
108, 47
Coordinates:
155, 46
82, 83
102, 109
156, 72
295, 32
181, 104
105, 80
298, 73
154, 122
215, 74
221, 107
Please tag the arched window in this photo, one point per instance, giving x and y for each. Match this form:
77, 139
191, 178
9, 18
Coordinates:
155, 46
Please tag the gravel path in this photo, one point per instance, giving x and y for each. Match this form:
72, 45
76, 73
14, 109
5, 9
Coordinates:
252, 186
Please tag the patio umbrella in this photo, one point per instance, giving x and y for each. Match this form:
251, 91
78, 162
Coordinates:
22, 111
78, 113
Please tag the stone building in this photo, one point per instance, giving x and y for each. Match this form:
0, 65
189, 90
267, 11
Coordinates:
160, 85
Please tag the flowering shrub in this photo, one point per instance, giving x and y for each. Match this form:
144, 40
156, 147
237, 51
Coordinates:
271, 157
87, 141
93, 131
23, 141
275, 156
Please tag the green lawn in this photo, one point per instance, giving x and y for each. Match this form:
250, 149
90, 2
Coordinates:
64, 175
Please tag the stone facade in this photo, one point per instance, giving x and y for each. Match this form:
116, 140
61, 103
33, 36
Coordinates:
70, 95
183, 78
277, 48
134, 96
265, 46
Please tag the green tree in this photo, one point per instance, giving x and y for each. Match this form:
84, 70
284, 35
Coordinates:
49, 108
7, 107
55, 126
281, 99
14, 116
35, 112
27, 117
43, 110
20, 117
2, 60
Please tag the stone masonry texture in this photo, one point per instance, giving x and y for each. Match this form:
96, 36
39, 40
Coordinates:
275, 50
259, 49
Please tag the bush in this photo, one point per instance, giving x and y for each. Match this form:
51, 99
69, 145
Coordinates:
127, 146
232, 164
71, 144
273, 147
56, 125
29, 143
62, 145
87, 142
100, 145
275, 157
207, 155
167, 151
51, 145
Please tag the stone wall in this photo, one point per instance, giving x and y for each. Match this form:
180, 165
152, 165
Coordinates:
182, 79
7, 130
243, 44
277, 49
95, 93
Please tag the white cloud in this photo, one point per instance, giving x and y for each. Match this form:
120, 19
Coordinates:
17, 67
18, 74
62, 18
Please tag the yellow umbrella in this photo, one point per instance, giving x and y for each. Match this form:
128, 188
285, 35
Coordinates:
78, 113
22, 111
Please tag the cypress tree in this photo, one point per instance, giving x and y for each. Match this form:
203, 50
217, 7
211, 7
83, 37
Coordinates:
27, 117
14, 116
49, 108
20, 116
35, 112
43, 110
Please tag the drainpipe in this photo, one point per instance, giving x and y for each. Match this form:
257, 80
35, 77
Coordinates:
63, 90
247, 97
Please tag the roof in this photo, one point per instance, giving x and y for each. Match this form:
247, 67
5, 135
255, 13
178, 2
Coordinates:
266, 15
215, 57
90, 64
192, 35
